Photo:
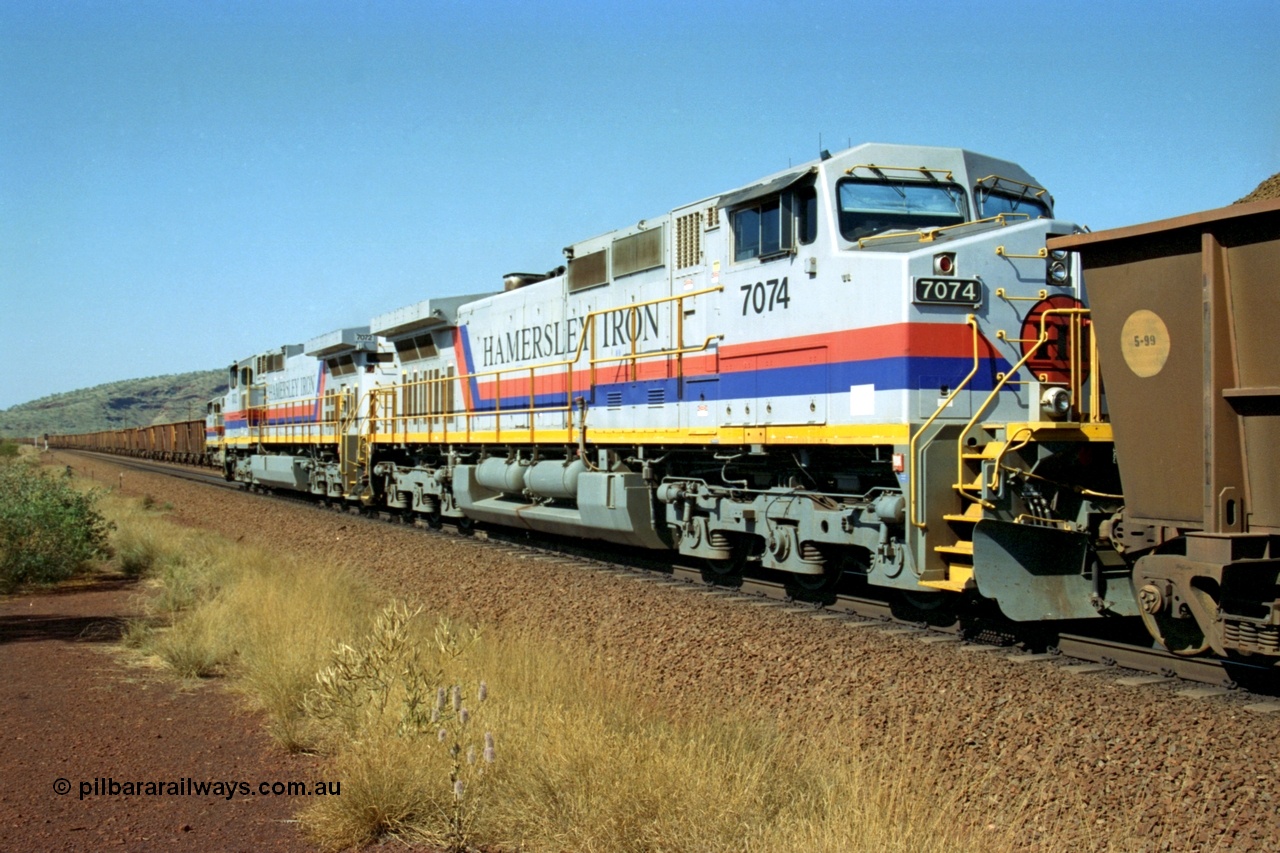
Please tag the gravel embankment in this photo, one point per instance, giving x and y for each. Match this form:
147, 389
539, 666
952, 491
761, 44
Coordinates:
1084, 762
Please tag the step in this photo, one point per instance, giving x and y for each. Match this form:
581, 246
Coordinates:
974, 485
972, 514
991, 450
961, 579
963, 547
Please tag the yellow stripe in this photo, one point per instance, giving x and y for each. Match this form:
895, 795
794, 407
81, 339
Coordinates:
780, 435
1057, 431
270, 440
786, 435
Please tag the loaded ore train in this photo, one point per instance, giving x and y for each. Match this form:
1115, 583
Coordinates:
879, 366
181, 441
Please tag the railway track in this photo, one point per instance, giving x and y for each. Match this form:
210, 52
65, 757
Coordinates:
1132, 663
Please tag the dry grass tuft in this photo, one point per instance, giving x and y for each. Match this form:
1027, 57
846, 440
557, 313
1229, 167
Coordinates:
214, 607
585, 764
384, 792
561, 754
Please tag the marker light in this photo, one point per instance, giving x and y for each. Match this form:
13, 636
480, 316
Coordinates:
1057, 272
944, 263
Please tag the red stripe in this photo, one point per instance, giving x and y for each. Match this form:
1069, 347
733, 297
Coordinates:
899, 340
463, 368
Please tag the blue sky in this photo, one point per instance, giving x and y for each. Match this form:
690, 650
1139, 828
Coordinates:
184, 184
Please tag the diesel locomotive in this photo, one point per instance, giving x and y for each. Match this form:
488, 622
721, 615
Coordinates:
875, 368
869, 364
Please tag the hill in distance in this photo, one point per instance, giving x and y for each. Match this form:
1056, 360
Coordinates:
1268, 189
128, 403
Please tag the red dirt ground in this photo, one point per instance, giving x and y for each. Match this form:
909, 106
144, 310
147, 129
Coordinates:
73, 708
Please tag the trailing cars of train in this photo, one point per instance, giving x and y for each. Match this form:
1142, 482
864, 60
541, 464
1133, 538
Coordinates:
182, 441
1184, 314
878, 366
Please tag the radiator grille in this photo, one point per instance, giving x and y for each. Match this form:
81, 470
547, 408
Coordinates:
689, 240
589, 270
637, 252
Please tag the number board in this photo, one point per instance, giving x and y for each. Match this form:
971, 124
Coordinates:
949, 291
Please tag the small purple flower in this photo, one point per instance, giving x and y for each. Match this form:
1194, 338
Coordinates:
441, 735
484, 692
458, 788
471, 755
463, 716
457, 698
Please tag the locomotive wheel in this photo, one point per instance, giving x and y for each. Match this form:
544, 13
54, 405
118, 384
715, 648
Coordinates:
937, 609
1180, 636
726, 571
466, 526
927, 602
818, 589
434, 520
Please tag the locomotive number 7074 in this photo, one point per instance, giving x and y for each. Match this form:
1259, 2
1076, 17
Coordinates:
765, 296
949, 291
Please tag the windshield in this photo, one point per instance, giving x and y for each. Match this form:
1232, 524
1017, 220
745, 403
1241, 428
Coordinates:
995, 202
870, 207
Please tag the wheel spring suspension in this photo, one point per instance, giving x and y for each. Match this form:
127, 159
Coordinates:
1247, 635
718, 539
811, 553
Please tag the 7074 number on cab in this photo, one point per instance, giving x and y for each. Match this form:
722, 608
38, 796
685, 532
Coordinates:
764, 296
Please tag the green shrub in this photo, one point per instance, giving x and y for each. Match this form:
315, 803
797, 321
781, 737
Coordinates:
48, 530
8, 449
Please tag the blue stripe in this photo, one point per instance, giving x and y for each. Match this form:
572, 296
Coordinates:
898, 373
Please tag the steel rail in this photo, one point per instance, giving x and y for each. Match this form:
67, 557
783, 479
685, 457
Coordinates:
1064, 647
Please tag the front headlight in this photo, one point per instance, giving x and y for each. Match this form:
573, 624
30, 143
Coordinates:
1055, 403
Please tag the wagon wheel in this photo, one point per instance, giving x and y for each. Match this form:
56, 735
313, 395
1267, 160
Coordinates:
466, 526
1180, 636
1183, 636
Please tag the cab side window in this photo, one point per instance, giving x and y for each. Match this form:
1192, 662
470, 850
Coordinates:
775, 225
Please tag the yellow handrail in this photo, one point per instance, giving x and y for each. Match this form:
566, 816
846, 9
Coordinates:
927, 235
1001, 293
924, 170
1004, 379
996, 180
1040, 254
915, 479
586, 345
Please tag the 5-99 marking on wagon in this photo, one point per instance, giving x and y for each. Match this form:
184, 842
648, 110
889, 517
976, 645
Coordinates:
765, 296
